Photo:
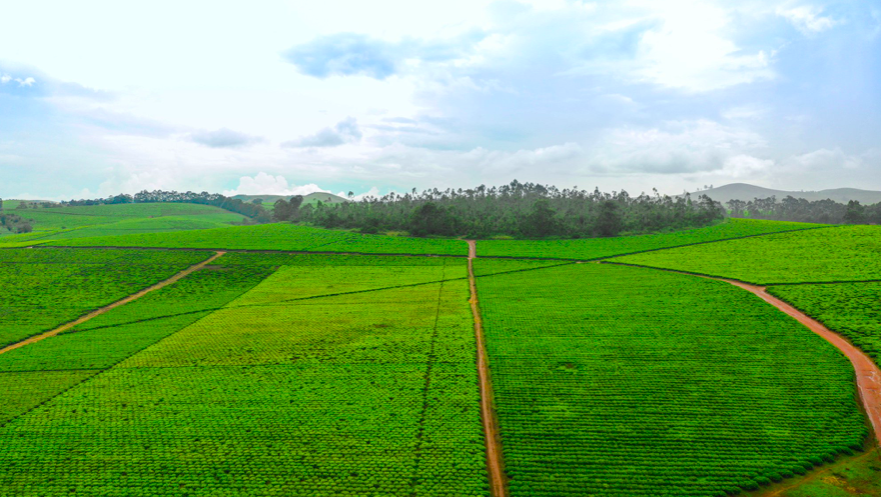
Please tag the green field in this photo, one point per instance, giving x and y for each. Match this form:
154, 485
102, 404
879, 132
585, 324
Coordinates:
296, 387
280, 237
63, 223
594, 248
849, 309
353, 372
619, 381
48, 287
847, 253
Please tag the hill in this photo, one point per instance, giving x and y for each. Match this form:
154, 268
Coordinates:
312, 198
743, 191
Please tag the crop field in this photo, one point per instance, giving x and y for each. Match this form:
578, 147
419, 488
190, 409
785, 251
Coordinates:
621, 381
355, 372
593, 248
90, 215
280, 237
848, 253
294, 387
852, 310
47, 288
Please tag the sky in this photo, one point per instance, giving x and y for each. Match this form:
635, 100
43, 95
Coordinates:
290, 97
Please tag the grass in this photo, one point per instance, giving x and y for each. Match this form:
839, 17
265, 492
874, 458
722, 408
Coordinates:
593, 248
858, 475
337, 393
282, 237
618, 381
847, 253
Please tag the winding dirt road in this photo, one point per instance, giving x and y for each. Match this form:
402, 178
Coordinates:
102, 310
487, 412
867, 372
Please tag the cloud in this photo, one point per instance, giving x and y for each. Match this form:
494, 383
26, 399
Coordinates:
267, 184
224, 138
807, 19
345, 131
676, 147
350, 54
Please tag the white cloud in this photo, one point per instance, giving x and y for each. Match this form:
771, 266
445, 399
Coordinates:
689, 50
674, 147
807, 18
373, 192
5, 78
345, 131
25, 82
267, 184
744, 112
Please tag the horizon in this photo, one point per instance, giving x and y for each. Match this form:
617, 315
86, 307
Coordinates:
288, 98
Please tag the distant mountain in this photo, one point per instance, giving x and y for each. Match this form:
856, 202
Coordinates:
312, 198
745, 192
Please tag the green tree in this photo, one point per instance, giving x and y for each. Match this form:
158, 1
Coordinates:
282, 211
609, 221
540, 221
431, 219
855, 213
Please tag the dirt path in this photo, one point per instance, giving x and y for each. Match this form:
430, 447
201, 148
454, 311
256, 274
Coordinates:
487, 412
867, 372
102, 310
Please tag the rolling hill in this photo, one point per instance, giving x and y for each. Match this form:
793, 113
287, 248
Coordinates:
743, 191
312, 198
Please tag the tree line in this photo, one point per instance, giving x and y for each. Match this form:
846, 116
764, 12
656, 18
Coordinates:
523, 210
798, 209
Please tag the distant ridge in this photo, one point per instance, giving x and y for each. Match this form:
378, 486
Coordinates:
745, 192
327, 198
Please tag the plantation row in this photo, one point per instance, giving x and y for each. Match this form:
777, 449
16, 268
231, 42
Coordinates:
283, 389
594, 248
852, 310
46, 288
619, 381
847, 253
279, 237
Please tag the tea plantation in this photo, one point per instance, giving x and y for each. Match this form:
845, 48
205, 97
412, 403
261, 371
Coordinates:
313, 362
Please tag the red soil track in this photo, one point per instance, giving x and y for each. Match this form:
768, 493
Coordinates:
102, 310
867, 372
487, 412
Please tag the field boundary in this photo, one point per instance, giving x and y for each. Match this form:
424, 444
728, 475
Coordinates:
101, 310
389, 254
727, 278
868, 374
654, 249
240, 251
493, 439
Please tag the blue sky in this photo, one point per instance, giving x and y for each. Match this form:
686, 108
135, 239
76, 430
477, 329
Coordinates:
98, 98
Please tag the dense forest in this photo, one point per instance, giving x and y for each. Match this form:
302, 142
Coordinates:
525, 210
798, 209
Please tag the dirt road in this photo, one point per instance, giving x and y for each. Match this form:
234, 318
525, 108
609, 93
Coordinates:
102, 310
487, 412
868, 374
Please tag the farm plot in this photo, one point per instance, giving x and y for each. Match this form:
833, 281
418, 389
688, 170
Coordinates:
370, 393
852, 310
618, 381
847, 253
46, 288
280, 237
74, 217
593, 248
